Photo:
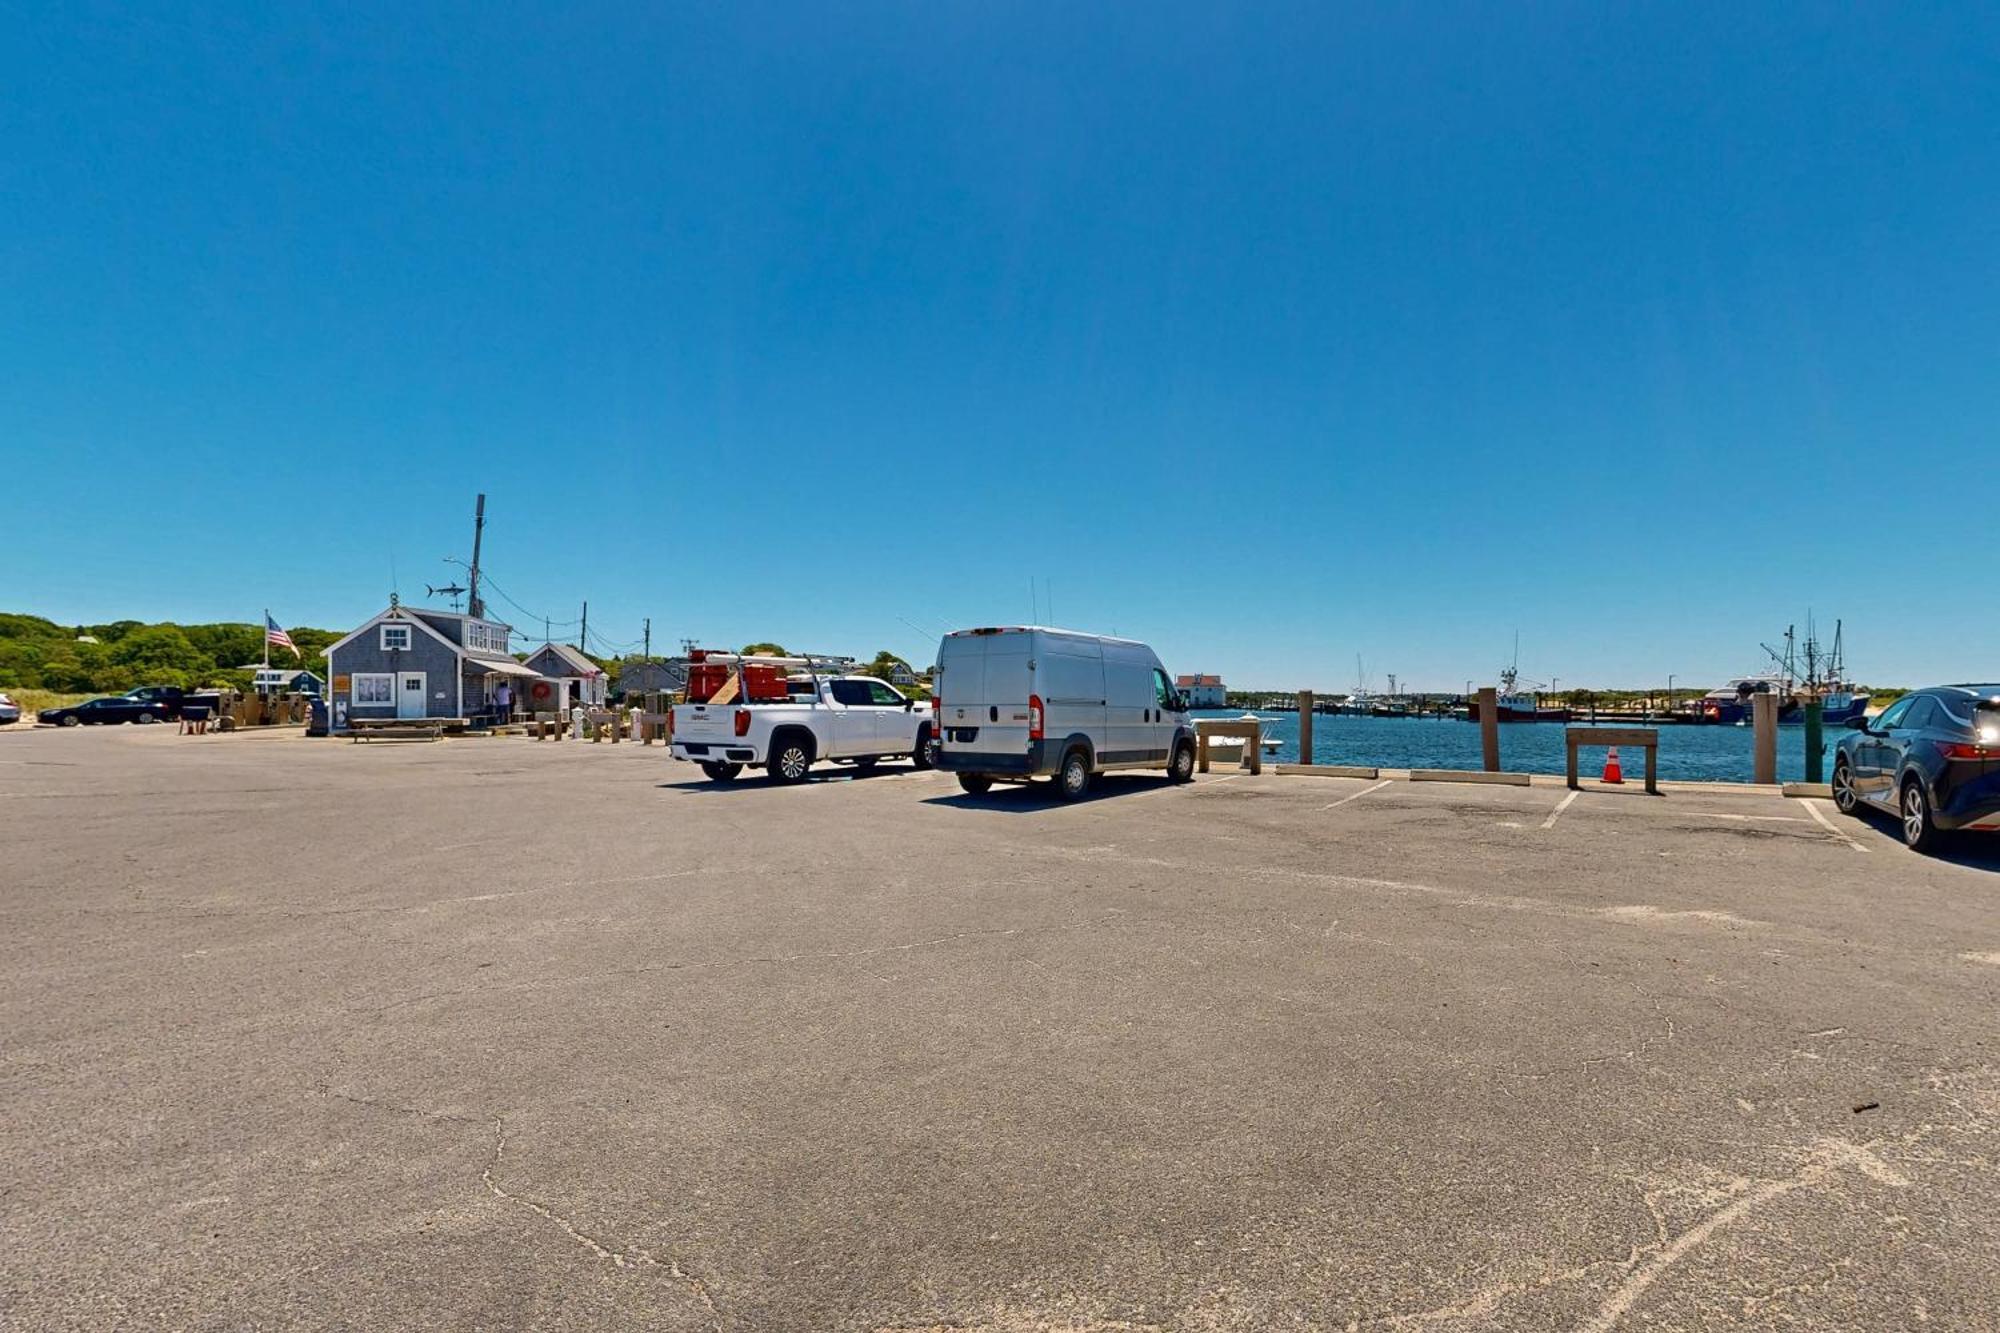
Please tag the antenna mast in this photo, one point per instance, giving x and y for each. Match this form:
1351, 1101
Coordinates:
473, 603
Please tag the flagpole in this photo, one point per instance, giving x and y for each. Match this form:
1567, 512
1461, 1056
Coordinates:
267, 638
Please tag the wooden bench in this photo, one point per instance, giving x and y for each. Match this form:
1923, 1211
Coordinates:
1646, 738
1252, 732
399, 729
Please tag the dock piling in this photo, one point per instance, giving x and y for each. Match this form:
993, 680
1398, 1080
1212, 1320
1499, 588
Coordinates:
1815, 741
1764, 720
1305, 726
1489, 728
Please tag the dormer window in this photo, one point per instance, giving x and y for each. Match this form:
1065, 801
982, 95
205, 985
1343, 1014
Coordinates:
395, 638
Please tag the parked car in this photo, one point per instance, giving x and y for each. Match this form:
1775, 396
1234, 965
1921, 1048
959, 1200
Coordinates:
116, 708
781, 715
1025, 702
9, 710
1932, 759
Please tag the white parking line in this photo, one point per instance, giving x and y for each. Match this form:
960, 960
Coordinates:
1561, 806
1812, 808
1357, 795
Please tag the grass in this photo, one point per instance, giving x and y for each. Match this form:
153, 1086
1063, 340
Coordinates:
34, 701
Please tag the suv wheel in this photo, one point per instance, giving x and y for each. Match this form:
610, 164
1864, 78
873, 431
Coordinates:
974, 784
1845, 798
1073, 778
790, 759
718, 771
1920, 832
1182, 767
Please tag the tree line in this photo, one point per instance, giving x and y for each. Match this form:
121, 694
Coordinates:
78, 659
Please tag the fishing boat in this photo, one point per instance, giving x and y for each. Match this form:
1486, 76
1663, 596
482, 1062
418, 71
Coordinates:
1824, 677
1516, 704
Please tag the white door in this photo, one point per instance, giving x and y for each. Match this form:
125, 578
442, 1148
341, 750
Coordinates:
411, 687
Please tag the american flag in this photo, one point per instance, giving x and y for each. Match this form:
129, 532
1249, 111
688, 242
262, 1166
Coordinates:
273, 635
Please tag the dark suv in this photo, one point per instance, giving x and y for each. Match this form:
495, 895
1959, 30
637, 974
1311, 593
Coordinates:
1932, 759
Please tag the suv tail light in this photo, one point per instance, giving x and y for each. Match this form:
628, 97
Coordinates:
743, 722
1034, 717
1960, 750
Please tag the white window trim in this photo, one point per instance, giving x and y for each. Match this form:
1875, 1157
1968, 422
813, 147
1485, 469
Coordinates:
388, 680
409, 638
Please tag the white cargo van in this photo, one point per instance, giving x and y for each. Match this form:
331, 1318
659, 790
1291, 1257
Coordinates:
1021, 702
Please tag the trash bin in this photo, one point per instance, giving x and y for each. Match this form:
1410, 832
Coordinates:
315, 716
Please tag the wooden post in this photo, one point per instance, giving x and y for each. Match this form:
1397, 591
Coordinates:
1305, 726
1489, 728
1764, 745
1815, 741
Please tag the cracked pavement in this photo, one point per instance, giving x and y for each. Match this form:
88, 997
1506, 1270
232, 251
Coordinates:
303, 1034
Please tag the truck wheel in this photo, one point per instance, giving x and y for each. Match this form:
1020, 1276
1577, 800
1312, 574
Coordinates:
925, 755
790, 758
974, 784
720, 772
1073, 778
1182, 767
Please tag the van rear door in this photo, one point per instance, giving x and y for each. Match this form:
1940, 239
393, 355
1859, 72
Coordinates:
983, 687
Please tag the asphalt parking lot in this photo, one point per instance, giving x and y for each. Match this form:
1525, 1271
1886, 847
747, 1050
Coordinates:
505, 1034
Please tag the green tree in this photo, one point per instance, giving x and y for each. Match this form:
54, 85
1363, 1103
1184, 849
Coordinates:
162, 652
764, 650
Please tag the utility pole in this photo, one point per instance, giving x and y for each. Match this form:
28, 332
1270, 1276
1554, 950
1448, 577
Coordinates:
649, 638
583, 635
473, 603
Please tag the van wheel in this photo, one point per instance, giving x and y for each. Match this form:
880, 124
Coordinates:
1920, 831
1073, 778
720, 772
925, 755
789, 761
1181, 769
974, 784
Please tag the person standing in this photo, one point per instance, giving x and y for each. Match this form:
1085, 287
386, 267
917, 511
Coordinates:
503, 700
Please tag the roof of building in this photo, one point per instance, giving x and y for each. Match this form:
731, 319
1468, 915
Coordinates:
1198, 680
499, 666
579, 664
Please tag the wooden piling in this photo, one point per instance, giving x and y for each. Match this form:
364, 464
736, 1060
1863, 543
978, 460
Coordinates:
1305, 726
1489, 728
1764, 743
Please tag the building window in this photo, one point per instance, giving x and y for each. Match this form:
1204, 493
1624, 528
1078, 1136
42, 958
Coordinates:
373, 689
395, 638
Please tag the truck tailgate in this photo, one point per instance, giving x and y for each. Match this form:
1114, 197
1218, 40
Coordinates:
702, 723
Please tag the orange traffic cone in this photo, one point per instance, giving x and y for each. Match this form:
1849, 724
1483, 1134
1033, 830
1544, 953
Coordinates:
1612, 773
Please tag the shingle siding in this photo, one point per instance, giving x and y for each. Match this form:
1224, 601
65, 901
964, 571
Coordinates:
365, 655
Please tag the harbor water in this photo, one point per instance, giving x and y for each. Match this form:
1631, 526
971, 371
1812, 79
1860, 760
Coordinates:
1687, 753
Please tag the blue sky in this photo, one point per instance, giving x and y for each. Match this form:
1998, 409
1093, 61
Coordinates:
1275, 336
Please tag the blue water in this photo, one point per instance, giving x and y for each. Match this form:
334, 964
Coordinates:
1694, 754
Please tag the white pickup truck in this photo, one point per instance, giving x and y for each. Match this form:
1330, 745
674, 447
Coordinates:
855, 720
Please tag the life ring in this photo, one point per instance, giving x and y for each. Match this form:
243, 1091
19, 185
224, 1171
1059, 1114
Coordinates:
540, 690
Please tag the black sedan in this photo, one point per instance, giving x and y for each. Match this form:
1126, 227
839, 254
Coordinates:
1932, 759
115, 709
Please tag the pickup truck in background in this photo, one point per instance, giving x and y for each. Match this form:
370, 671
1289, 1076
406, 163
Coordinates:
783, 715
172, 698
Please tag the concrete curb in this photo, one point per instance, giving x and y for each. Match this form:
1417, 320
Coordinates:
1469, 775
1327, 771
1823, 790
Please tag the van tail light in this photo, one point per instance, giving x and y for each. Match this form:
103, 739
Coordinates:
1034, 717
743, 722
1960, 750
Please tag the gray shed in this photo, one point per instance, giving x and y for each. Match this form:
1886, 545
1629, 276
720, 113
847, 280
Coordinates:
411, 662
